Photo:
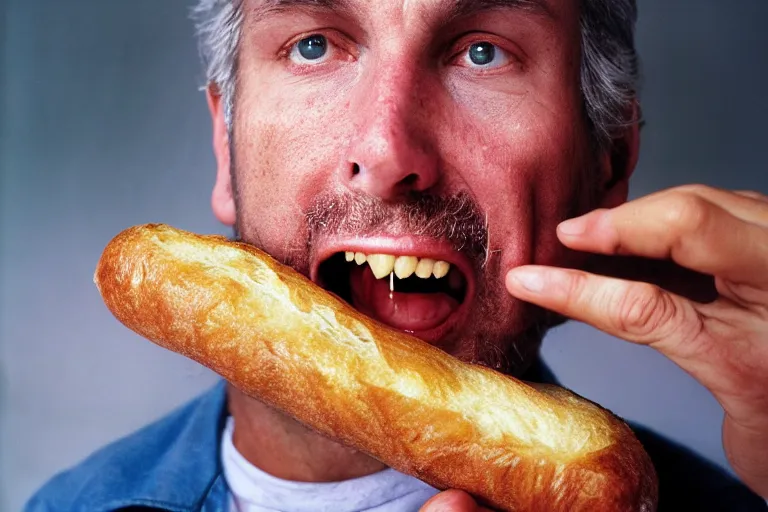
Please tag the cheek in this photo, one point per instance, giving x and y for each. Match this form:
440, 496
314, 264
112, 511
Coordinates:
522, 163
285, 147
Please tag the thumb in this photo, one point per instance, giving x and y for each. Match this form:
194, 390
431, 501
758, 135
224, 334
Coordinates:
452, 501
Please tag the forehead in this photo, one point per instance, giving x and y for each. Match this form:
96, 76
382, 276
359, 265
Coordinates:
431, 10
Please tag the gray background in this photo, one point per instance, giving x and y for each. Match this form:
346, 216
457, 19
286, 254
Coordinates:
103, 127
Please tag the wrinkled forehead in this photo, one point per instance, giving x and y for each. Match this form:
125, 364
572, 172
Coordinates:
431, 12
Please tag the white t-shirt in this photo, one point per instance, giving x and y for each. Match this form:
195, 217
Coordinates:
253, 490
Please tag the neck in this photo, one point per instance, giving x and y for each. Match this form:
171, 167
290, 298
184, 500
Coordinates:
282, 447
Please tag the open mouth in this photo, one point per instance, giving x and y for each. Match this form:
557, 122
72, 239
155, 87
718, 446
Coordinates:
422, 295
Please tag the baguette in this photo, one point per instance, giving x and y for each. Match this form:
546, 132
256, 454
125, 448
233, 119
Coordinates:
283, 340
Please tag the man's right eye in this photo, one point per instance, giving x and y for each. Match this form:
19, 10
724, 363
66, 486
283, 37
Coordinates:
312, 49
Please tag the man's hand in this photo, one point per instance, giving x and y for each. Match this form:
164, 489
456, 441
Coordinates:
452, 501
723, 343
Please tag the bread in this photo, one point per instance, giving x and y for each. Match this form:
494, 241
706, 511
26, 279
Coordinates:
279, 338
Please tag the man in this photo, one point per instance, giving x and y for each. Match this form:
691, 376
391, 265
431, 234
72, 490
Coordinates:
462, 132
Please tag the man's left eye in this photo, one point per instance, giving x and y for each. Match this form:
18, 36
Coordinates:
485, 55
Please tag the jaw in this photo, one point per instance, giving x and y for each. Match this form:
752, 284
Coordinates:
422, 287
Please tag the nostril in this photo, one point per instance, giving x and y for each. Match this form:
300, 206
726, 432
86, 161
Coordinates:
410, 180
355, 169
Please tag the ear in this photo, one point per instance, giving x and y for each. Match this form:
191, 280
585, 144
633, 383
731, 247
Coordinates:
222, 199
617, 163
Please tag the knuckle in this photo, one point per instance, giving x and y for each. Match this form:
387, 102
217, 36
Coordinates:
687, 212
693, 188
645, 309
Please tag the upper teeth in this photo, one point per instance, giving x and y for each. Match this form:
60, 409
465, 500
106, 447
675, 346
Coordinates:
383, 265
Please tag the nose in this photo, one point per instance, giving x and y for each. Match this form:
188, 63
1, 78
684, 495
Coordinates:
390, 155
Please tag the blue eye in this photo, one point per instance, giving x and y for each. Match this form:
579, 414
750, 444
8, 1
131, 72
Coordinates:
485, 55
482, 54
312, 48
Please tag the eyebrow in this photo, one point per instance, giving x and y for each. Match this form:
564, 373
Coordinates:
451, 9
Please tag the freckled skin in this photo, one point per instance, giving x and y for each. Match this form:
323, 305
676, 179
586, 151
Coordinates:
393, 101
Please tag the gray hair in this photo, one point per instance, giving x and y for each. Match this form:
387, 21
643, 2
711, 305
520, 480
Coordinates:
609, 66
219, 24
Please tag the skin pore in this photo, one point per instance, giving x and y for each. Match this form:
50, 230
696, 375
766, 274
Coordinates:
396, 109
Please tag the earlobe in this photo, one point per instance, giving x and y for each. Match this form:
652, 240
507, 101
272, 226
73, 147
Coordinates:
222, 199
617, 163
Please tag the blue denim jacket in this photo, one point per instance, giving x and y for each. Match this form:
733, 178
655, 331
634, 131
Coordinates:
174, 465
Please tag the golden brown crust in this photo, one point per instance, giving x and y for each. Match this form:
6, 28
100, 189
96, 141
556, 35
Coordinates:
281, 339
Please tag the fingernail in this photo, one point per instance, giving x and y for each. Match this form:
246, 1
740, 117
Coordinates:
530, 280
573, 227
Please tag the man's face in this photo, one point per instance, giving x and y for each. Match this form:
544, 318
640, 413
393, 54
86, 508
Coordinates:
421, 130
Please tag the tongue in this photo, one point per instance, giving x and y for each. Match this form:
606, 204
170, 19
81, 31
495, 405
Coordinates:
406, 311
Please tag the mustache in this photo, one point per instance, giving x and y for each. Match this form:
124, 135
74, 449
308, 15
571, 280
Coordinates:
456, 219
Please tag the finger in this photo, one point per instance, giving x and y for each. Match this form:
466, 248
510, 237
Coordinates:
752, 195
683, 227
452, 501
637, 312
746, 205
711, 342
